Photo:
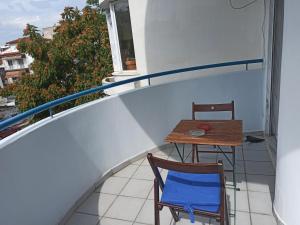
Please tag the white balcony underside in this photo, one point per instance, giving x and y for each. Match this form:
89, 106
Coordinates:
47, 167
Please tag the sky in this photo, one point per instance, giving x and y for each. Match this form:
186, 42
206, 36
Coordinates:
15, 14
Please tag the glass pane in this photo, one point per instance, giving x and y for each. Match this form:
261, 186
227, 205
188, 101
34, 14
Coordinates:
125, 35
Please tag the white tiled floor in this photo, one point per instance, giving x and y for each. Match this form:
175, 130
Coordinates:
126, 197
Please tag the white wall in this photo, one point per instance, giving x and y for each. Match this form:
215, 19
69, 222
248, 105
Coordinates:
287, 195
46, 167
173, 34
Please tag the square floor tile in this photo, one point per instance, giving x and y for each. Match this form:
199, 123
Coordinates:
176, 158
258, 219
240, 180
83, 219
207, 160
239, 166
125, 208
261, 183
97, 204
260, 202
241, 218
127, 172
144, 173
151, 194
110, 221
238, 156
137, 188
262, 156
139, 161
255, 146
160, 153
147, 214
259, 168
113, 185
241, 200
185, 220
169, 150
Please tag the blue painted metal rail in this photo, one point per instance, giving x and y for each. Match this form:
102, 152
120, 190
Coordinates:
50, 105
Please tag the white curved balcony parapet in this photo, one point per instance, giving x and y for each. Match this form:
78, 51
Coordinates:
46, 167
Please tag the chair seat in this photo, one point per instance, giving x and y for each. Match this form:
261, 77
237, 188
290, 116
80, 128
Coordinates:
193, 191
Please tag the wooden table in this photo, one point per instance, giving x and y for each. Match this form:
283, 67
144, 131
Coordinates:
222, 132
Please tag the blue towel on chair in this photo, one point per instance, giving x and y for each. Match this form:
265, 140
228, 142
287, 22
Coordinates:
193, 192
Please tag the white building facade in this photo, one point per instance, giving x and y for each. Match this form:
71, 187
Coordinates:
14, 63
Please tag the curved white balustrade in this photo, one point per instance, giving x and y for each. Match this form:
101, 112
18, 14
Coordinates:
45, 168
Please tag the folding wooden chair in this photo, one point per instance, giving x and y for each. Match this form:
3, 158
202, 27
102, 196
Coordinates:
226, 107
198, 189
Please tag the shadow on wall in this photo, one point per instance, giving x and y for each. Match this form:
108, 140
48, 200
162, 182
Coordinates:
37, 170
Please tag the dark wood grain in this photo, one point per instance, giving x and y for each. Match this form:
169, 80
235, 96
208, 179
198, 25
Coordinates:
224, 107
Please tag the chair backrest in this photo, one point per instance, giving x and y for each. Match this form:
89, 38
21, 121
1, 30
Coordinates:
225, 107
201, 168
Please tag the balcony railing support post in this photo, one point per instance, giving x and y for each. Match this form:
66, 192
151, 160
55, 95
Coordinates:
51, 112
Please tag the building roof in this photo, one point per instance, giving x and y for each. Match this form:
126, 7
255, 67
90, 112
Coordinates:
16, 41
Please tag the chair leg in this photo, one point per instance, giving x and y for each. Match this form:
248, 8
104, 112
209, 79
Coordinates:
197, 154
156, 199
226, 211
226, 214
193, 153
222, 221
174, 214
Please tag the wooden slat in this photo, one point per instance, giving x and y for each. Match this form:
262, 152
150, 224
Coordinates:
222, 132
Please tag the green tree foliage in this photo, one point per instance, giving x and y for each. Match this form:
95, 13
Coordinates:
77, 58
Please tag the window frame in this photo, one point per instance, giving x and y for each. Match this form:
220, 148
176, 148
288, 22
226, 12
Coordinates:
10, 62
114, 37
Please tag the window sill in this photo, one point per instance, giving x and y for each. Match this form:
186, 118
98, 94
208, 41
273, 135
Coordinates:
126, 73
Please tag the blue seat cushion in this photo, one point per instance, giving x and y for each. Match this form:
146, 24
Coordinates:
193, 191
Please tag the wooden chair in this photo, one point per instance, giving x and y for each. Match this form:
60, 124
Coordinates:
198, 189
198, 108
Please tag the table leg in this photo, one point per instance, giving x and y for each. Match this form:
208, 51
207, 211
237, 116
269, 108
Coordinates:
193, 153
181, 157
197, 155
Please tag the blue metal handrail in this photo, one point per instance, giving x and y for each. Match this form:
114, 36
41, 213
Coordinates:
50, 105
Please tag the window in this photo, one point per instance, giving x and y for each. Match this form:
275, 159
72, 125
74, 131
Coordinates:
21, 63
10, 62
119, 25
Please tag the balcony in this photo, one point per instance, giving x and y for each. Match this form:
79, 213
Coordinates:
52, 171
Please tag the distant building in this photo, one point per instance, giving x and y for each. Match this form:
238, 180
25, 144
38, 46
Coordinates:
14, 63
48, 32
